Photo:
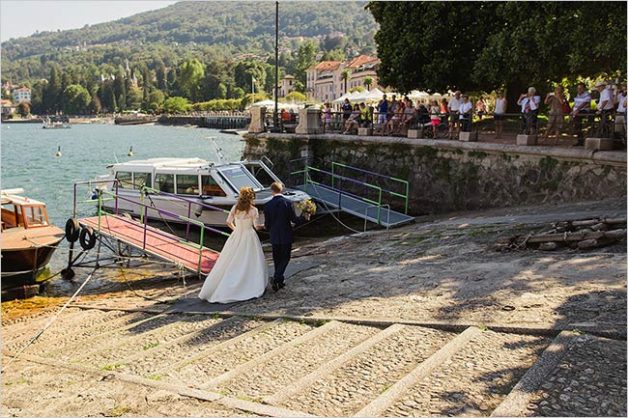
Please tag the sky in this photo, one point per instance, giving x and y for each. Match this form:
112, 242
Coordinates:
20, 18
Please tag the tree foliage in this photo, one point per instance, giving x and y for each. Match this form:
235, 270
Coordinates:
176, 105
486, 45
77, 99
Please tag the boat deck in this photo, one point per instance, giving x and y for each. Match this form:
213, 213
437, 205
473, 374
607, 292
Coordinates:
153, 241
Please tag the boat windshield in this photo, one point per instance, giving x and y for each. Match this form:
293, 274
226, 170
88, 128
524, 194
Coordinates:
238, 177
35, 216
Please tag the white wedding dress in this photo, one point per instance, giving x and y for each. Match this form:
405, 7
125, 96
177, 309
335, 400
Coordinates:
240, 273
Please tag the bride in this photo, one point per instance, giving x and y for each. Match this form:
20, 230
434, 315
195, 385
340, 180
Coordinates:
240, 273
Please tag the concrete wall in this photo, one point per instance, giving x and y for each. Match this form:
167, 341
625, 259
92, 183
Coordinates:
450, 175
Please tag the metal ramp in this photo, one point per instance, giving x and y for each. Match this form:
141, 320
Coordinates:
382, 215
153, 241
370, 206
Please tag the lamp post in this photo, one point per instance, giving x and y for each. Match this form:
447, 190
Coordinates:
275, 113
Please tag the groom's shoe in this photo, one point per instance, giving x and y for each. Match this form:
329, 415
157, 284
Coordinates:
274, 285
281, 284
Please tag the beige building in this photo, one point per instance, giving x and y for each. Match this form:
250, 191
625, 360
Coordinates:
287, 86
324, 80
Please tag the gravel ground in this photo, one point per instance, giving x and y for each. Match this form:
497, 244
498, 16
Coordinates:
291, 365
162, 357
226, 358
590, 381
31, 390
475, 380
362, 379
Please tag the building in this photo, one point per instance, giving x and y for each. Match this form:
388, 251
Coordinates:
287, 85
325, 81
6, 108
23, 94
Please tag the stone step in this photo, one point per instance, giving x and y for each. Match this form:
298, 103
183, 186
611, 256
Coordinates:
287, 366
145, 337
474, 380
28, 325
328, 368
168, 356
66, 343
218, 360
67, 326
364, 377
589, 380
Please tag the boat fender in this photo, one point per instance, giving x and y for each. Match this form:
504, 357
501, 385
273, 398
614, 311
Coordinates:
72, 230
87, 238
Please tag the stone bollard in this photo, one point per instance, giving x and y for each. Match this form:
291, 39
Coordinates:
309, 121
258, 118
468, 137
415, 133
526, 139
365, 131
599, 144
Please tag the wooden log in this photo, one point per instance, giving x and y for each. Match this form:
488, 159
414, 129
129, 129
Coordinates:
588, 243
615, 234
565, 237
548, 246
600, 227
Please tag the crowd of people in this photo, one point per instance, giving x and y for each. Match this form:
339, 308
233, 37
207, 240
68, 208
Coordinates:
395, 116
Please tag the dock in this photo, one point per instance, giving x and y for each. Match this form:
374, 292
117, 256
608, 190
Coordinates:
152, 241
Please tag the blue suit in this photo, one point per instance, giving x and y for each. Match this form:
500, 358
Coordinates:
278, 218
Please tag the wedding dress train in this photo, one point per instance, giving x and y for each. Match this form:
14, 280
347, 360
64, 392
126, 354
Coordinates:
240, 273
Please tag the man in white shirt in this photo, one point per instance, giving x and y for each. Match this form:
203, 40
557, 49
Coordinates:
465, 110
605, 107
620, 116
529, 103
581, 110
453, 108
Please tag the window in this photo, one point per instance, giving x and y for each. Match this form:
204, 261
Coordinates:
238, 177
9, 217
164, 183
34, 215
125, 179
141, 179
187, 184
210, 187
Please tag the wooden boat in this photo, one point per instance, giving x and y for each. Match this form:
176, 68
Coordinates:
28, 240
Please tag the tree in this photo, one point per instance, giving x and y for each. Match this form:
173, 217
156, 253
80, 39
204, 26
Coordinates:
368, 82
52, 91
134, 98
155, 99
76, 99
247, 71
356, 89
334, 55
176, 105
306, 56
192, 72
23, 109
252, 98
295, 96
495, 44
344, 75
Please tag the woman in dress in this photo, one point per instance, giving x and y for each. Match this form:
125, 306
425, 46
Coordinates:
240, 273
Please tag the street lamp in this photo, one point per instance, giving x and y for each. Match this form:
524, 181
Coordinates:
276, 113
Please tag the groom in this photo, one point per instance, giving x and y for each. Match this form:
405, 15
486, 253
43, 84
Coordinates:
279, 215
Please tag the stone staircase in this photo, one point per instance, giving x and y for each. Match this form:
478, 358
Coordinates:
290, 368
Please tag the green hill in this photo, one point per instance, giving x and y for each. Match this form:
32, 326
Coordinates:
192, 29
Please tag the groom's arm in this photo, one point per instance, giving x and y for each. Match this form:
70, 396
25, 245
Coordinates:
266, 219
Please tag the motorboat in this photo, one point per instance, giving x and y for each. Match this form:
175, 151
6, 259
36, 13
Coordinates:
27, 242
177, 189
56, 123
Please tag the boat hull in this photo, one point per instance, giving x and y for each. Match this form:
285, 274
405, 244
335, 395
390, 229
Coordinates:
21, 266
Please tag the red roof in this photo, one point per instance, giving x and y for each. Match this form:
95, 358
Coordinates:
362, 60
327, 65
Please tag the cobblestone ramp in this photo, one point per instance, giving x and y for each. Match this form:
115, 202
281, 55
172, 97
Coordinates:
200, 364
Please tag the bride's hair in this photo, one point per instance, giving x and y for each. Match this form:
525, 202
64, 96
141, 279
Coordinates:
245, 201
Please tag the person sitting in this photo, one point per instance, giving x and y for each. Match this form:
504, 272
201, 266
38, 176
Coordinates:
364, 120
434, 116
408, 117
353, 121
465, 110
529, 103
393, 124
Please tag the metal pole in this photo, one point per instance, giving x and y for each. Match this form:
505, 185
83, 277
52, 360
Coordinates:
275, 113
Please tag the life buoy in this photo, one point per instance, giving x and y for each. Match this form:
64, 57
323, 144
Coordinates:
87, 238
72, 230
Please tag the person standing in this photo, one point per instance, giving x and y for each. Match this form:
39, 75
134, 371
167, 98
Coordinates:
620, 117
382, 112
278, 219
453, 108
346, 110
499, 113
466, 111
581, 109
529, 103
605, 106
556, 102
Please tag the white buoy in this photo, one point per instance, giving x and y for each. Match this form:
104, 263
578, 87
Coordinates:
58, 154
130, 153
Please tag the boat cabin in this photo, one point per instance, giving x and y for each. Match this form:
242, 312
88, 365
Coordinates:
22, 212
192, 177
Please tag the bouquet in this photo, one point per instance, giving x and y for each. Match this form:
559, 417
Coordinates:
307, 207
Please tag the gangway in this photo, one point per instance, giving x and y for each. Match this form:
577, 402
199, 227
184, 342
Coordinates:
137, 234
369, 206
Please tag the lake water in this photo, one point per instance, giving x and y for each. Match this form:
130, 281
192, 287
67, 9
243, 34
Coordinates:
28, 158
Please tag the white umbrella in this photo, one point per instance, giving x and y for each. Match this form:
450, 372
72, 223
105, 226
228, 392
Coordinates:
271, 104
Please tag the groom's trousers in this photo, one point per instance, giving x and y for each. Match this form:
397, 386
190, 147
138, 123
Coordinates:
281, 258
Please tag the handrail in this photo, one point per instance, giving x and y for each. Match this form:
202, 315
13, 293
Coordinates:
405, 196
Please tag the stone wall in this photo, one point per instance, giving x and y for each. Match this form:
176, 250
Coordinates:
449, 175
